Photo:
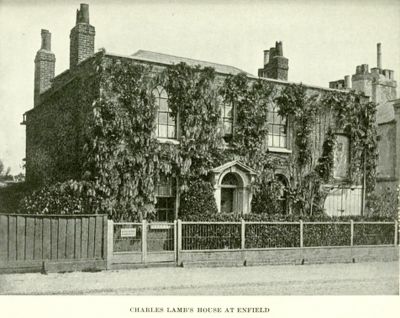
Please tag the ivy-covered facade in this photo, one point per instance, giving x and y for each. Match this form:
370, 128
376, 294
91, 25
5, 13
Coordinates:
156, 136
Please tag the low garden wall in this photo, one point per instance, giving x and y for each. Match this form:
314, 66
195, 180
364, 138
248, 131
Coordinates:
294, 256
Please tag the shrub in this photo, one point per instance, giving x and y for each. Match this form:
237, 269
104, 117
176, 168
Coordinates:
267, 198
70, 197
383, 204
198, 202
11, 195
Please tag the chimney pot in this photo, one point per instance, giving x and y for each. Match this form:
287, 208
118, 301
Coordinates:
379, 56
46, 40
364, 68
347, 83
84, 13
279, 50
266, 57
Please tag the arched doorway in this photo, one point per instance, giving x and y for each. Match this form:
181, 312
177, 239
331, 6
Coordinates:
232, 187
230, 194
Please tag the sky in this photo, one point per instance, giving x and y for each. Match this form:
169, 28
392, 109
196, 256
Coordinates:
323, 40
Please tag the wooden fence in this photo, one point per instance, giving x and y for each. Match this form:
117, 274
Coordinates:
52, 243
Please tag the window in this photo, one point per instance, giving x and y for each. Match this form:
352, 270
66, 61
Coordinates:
227, 121
165, 206
341, 157
166, 123
277, 129
283, 192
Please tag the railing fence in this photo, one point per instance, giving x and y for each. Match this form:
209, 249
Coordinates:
253, 235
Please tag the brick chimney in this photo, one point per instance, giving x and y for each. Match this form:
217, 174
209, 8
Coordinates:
45, 62
276, 66
81, 37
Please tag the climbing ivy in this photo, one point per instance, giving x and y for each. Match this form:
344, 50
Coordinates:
301, 109
122, 157
352, 115
324, 167
356, 117
250, 101
124, 160
193, 97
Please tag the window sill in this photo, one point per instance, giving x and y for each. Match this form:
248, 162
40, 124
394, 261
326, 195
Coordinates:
333, 185
280, 150
168, 141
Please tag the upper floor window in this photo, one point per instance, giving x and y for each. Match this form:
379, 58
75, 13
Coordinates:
165, 193
166, 122
227, 120
341, 157
277, 129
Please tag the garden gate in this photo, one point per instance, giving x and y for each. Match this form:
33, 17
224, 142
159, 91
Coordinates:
142, 243
344, 201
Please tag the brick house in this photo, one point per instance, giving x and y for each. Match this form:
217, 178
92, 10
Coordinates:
56, 125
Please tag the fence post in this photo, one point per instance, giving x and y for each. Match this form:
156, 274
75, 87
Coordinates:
176, 240
243, 235
301, 233
179, 242
396, 232
351, 232
110, 243
144, 241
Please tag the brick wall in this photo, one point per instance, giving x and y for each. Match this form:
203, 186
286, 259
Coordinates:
309, 255
387, 151
81, 43
55, 128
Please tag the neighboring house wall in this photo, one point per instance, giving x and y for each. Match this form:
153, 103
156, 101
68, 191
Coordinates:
388, 170
387, 151
397, 118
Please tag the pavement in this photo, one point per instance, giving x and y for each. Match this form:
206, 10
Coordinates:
322, 279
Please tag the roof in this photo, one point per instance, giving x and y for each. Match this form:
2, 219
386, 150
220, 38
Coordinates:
231, 164
149, 56
385, 112
162, 58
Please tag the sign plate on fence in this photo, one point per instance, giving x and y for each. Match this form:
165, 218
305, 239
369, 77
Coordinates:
160, 226
129, 232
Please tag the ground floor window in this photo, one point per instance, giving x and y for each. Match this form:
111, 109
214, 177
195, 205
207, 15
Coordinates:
283, 193
166, 195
